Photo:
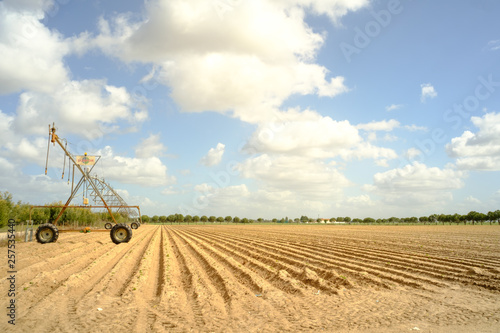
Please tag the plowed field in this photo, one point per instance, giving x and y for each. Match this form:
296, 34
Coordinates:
251, 278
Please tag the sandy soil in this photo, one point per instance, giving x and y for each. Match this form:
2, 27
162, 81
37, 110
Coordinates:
251, 278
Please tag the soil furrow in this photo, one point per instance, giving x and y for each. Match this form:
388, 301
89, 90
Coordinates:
187, 281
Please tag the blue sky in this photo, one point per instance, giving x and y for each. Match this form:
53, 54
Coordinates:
263, 108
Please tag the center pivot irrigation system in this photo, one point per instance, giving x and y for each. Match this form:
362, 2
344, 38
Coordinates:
103, 197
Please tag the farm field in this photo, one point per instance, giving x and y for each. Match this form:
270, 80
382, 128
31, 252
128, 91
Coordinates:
261, 278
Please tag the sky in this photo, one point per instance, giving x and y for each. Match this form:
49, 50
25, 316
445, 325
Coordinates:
257, 109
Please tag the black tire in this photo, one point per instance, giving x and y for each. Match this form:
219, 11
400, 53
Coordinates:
108, 226
121, 233
135, 225
47, 233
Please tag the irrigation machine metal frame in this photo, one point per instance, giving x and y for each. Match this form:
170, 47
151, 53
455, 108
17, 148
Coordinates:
99, 190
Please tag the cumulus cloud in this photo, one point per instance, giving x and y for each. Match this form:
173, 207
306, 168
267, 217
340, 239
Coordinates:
150, 147
363, 200
366, 150
147, 171
304, 133
239, 200
89, 108
481, 150
428, 91
214, 155
411, 153
305, 177
246, 62
416, 184
32, 55
28, 188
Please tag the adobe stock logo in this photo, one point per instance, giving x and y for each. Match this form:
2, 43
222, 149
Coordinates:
362, 38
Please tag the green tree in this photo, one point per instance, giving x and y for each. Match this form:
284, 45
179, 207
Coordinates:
196, 219
155, 219
145, 218
244, 220
347, 219
212, 219
473, 216
493, 216
393, 219
228, 219
236, 219
455, 218
163, 219
188, 218
204, 219
368, 220
304, 219
5, 208
220, 219
481, 217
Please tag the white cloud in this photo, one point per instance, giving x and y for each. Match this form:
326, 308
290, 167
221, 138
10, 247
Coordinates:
89, 108
5, 127
148, 171
366, 150
334, 9
305, 177
239, 200
150, 147
214, 155
303, 134
247, 61
428, 91
412, 153
363, 200
32, 55
384, 125
417, 185
393, 107
35, 189
32, 6
481, 150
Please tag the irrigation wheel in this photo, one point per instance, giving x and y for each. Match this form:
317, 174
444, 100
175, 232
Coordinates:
47, 233
121, 233
135, 225
108, 226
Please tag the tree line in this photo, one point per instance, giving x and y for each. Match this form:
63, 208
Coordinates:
471, 217
179, 218
20, 212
